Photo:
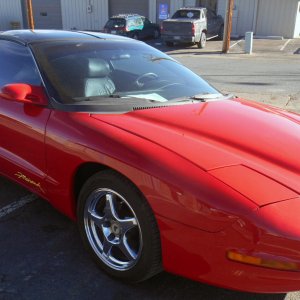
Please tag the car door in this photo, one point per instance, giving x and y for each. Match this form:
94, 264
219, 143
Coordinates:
148, 29
212, 23
22, 125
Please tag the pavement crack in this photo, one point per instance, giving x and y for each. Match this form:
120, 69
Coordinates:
291, 98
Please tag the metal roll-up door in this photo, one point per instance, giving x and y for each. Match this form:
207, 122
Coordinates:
129, 6
47, 14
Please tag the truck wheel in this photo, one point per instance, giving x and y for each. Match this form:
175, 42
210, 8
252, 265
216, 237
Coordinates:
202, 41
135, 36
221, 33
156, 34
118, 227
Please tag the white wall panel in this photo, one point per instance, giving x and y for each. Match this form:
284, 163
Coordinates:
10, 11
276, 17
76, 14
297, 22
47, 14
152, 10
243, 15
140, 7
264, 17
174, 5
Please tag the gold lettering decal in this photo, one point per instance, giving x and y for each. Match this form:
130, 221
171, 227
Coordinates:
28, 180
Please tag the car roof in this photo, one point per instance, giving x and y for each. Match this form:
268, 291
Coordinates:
192, 8
125, 16
31, 36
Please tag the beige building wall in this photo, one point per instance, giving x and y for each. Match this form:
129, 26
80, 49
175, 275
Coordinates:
243, 15
276, 17
10, 11
297, 22
175, 4
152, 10
263, 17
87, 14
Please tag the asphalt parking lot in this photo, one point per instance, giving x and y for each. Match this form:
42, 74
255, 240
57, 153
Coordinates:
41, 255
260, 47
42, 258
270, 75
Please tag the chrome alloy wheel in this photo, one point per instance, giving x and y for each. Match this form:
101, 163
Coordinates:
112, 229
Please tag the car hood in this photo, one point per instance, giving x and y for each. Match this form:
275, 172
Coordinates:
244, 138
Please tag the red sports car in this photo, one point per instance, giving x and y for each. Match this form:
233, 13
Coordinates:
160, 170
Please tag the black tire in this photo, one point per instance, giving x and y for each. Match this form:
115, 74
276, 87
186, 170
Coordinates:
156, 34
202, 42
221, 33
135, 36
169, 44
107, 195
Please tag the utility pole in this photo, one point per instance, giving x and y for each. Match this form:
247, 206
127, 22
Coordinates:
29, 14
228, 26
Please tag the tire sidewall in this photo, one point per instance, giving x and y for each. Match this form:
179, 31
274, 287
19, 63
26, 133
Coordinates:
202, 42
139, 205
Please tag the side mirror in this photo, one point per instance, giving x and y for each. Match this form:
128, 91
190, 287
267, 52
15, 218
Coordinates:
25, 93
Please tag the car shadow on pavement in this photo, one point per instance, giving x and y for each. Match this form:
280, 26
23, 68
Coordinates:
167, 286
187, 49
43, 258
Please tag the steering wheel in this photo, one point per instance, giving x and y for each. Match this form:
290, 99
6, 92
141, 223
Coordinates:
142, 79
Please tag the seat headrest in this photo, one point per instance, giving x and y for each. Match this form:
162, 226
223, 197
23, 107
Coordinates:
97, 67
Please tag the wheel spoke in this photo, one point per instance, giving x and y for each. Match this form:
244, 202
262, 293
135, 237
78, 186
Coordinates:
98, 220
127, 224
107, 245
109, 210
126, 250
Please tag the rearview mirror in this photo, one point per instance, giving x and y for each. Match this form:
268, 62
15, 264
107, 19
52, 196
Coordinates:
25, 93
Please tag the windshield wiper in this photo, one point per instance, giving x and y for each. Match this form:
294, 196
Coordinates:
93, 98
161, 58
204, 97
201, 98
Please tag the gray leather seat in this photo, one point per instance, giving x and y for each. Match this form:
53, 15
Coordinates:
97, 81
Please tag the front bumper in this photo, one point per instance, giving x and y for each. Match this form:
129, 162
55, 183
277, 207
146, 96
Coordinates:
202, 256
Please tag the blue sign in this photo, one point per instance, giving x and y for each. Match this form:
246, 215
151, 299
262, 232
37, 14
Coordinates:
163, 11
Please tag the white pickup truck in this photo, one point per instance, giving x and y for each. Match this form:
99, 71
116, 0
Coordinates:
192, 25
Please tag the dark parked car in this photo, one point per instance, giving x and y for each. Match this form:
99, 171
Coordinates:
132, 25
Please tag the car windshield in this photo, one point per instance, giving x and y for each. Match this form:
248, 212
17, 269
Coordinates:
115, 23
92, 69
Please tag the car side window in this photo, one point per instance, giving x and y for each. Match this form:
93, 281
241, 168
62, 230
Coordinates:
139, 22
146, 22
17, 65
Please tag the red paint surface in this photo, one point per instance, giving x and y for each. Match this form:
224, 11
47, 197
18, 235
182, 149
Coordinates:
218, 176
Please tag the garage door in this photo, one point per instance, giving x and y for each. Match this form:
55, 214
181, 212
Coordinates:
276, 17
47, 14
129, 6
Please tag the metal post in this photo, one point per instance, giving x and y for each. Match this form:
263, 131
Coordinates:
248, 42
228, 26
30, 14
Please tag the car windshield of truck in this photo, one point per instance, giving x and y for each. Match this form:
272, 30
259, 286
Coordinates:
187, 14
92, 69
